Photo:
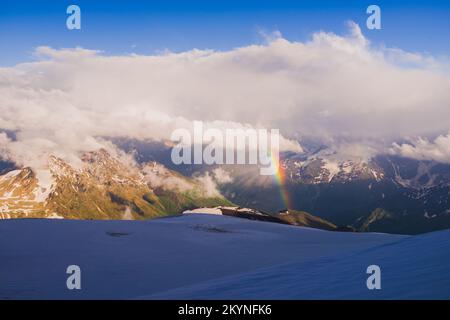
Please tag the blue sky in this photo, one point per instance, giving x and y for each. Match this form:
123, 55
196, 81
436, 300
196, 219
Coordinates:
145, 27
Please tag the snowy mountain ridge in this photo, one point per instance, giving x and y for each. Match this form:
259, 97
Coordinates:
101, 188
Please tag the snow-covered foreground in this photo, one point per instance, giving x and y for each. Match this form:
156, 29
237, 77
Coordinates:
212, 256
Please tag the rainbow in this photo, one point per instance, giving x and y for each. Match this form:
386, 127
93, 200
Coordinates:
280, 179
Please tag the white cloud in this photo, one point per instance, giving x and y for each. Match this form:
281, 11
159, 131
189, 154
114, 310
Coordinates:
423, 149
333, 88
209, 185
222, 176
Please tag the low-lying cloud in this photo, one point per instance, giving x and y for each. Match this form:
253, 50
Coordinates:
424, 149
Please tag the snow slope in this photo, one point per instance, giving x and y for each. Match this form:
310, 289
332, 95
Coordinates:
211, 256
414, 268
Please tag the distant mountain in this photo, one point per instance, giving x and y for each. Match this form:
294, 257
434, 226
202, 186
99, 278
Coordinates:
346, 191
102, 188
6, 166
383, 193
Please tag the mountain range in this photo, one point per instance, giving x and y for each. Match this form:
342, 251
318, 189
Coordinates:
379, 193
101, 188
383, 193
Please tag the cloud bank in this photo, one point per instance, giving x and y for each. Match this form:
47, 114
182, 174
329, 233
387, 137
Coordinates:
332, 88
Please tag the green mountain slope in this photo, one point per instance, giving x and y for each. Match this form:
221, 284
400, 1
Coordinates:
102, 188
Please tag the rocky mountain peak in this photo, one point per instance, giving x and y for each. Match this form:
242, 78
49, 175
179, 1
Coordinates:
102, 188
